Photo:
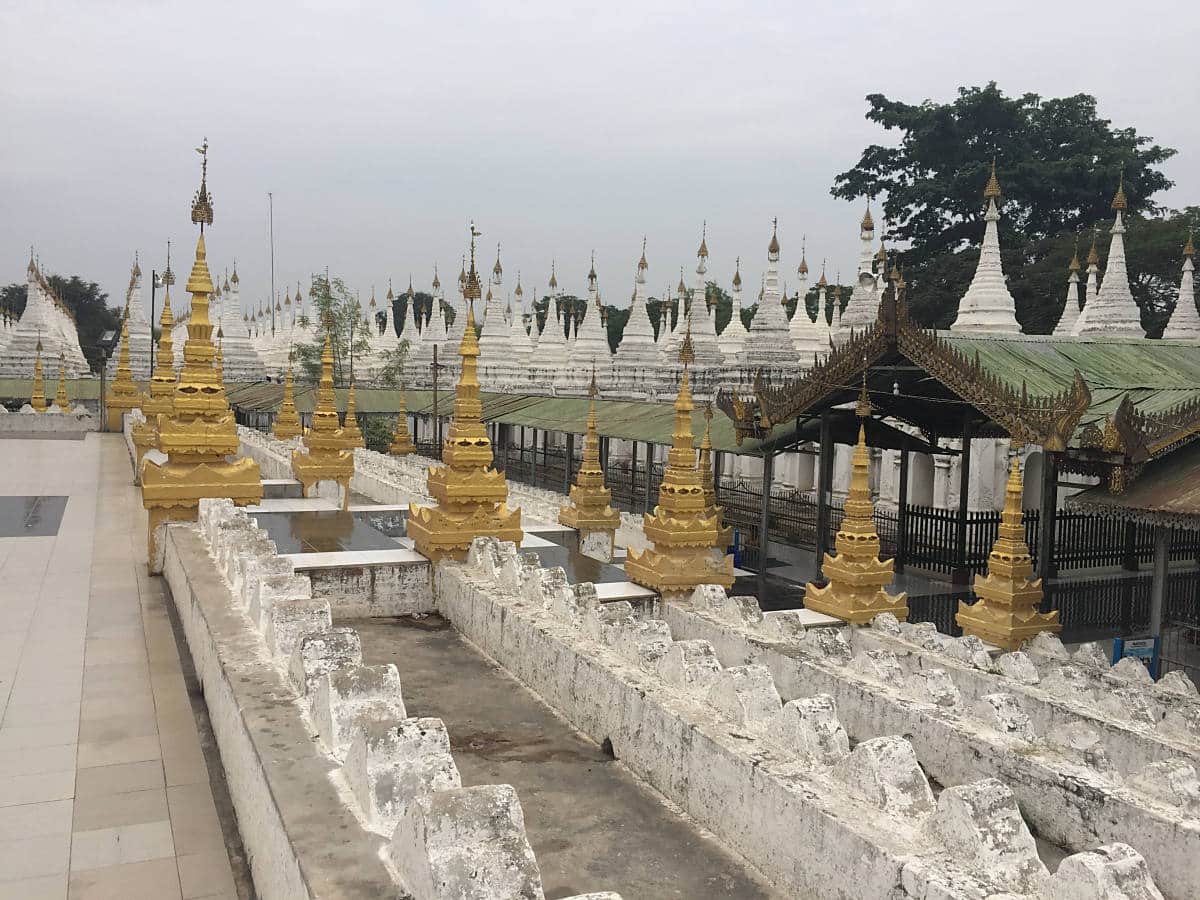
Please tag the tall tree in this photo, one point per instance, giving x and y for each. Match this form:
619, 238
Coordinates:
341, 315
1058, 162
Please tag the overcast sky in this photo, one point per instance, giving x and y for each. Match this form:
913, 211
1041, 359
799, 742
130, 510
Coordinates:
382, 128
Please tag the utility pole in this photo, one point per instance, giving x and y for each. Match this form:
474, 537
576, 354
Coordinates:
271, 230
153, 289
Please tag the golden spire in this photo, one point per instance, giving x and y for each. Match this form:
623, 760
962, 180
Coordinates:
802, 269
61, 400
702, 253
287, 420
642, 266
737, 272
591, 276
1073, 266
402, 443
122, 393
553, 278
773, 247
497, 271
856, 575
868, 224
38, 398
683, 533
589, 511
351, 431
1119, 203
991, 190
822, 282
1189, 249
1093, 257
436, 284
199, 437
327, 458
1006, 611
471, 497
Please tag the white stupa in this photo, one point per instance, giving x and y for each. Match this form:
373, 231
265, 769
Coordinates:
1070, 313
140, 336
1184, 323
418, 369
518, 333
635, 366
1114, 312
987, 306
769, 344
46, 319
1092, 288
242, 362
862, 309
706, 351
734, 335
497, 371
550, 360
591, 352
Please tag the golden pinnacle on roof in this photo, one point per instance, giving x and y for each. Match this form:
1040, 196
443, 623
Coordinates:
1189, 249
868, 224
737, 272
642, 266
589, 511
553, 283
436, 284
802, 269
520, 292
822, 282
773, 247
287, 420
122, 392
351, 432
60, 396
702, 253
1073, 266
681, 288
390, 295
991, 190
37, 398
881, 255
471, 290
326, 458
402, 443
496, 269
234, 277
1006, 611
591, 276
1119, 203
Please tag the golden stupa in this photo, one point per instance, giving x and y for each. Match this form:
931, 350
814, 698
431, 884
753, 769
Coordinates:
589, 511
402, 442
37, 399
856, 574
123, 394
61, 400
199, 435
287, 420
351, 431
682, 531
161, 397
324, 456
1006, 611
471, 496
707, 481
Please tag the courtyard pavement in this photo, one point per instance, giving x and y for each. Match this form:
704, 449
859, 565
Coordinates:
104, 787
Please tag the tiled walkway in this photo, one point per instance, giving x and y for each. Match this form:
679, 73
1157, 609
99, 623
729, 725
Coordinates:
104, 790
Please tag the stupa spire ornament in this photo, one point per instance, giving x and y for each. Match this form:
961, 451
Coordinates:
199, 436
37, 398
161, 397
1184, 323
682, 532
1114, 312
1070, 313
589, 511
471, 496
324, 457
287, 420
61, 400
988, 306
122, 394
351, 430
856, 575
1006, 611
402, 442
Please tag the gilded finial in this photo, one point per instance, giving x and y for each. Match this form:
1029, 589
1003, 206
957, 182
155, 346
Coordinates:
202, 205
592, 271
702, 253
1093, 256
496, 270
868, 224
823, 282
471, 284
642, 266
168, 277
773, 247
1074, 265
687, 353
1188, 248
863, 408
436, 284
737, 272
1119, 203
992, 190
553, 276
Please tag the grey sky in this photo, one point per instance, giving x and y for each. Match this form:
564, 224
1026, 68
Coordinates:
382, 128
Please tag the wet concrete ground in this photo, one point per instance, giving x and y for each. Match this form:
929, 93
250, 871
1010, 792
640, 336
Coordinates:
592, 825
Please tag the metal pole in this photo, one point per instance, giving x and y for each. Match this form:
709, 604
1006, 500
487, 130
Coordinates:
764, 519
649, 474
1158, 587
271, 228
1048, 516
569, 462
961, 574
437, 422
902, 513
153, 290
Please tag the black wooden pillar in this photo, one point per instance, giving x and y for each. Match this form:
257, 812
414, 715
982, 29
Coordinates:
824, 486
604, 455
570, 461
534, 477
764, 520
962, 574
717, 459
1047, 516
902, 513
505, 440
633, 476
648, 475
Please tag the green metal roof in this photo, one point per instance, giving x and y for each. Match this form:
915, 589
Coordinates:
77, 388
626, 419
1157, 375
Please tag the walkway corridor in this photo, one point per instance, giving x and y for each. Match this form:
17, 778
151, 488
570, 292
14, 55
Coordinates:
104, 788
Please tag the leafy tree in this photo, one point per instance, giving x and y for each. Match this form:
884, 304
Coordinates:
1058, 164
86, 302
616, 318
349, 328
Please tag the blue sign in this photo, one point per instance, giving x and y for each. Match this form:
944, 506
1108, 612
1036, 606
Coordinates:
1145, 650
737, 548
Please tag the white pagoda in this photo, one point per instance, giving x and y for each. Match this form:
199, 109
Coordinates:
769, 345
987, 306
1114, 312
734, 335
46, 319
140, 335
497, 371
1070, 313
635, 366
241, 359
1184, 323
